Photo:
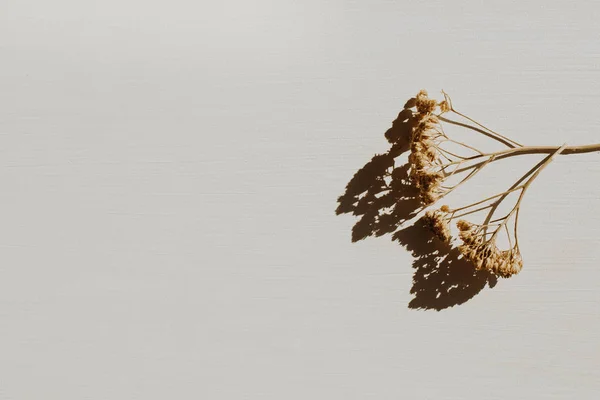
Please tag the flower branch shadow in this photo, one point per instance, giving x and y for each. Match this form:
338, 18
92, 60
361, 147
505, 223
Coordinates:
383, 198
441, 279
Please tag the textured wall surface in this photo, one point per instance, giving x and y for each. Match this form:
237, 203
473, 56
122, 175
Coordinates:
169, 178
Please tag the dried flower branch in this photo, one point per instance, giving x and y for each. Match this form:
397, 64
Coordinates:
439, 165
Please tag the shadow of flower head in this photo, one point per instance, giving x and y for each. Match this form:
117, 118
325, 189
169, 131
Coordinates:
379, 193
383, 198
441, 278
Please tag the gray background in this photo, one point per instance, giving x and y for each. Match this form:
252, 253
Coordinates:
169, 177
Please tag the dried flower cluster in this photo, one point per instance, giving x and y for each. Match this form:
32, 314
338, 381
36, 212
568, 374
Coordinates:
426, 153
438, 222
484, 253
424, 159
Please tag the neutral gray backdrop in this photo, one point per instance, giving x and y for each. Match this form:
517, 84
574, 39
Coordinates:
169, 176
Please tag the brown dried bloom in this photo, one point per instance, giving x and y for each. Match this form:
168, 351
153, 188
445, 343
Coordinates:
484, 254
424, 104
438, 222
444, 106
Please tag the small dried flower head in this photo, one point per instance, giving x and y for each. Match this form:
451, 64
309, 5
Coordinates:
428, 184
427, 181
426, 129
512, 265
438, 222
424, 104
464, 225
444, 106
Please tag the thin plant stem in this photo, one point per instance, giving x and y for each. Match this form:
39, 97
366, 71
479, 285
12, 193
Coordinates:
499, 137
465, 145
488, 199
526, 185
505, 142
471, 212
499, 155
469, 176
